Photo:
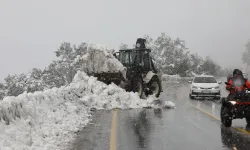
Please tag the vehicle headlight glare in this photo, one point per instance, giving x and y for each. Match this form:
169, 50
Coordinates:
233, 102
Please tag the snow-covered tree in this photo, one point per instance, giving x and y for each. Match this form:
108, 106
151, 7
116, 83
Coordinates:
34, 80
123, 46
210, 67
149, 42
79, 51
54, 75
3, 91
16, 84
67, 55
195, 63
171, 56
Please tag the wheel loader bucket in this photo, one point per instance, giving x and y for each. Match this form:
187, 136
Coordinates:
109, 77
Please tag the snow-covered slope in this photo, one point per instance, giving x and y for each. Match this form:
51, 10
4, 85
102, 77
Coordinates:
49, 119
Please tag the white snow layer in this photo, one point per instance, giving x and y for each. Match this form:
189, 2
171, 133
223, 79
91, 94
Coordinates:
50, 119
100, 59
169, 104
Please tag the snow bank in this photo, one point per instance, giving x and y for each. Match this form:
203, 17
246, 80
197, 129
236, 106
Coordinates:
49, 119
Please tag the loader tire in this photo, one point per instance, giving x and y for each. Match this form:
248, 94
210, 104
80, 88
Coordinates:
137, 86
154, 86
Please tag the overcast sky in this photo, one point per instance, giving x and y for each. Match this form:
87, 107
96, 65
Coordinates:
30, 31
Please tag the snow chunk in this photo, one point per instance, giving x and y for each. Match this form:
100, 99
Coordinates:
171, 65
169, 104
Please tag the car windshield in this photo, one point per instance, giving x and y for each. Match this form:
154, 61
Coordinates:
205, 80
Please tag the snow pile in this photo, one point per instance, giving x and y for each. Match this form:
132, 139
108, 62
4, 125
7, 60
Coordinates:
42, 120
49, 119
169, 104
102, 96
100, 59
170, 78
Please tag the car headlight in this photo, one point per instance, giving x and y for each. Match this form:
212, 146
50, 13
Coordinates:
195, 87
233, 102
217, 87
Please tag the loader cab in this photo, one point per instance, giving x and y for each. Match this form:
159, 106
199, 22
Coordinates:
137, 58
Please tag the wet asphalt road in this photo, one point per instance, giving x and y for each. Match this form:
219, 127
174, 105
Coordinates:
194, 125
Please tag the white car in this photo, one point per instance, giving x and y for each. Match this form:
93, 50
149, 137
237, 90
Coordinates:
204, 86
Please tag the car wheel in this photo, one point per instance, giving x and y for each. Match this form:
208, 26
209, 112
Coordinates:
225, 117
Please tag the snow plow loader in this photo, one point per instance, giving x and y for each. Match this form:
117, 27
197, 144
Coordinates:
140, 74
